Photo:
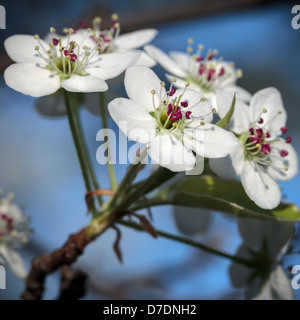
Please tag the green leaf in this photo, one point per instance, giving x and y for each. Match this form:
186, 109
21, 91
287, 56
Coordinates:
223, 123
228, 196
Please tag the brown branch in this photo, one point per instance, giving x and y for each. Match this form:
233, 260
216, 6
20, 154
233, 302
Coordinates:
72, 284
43, 265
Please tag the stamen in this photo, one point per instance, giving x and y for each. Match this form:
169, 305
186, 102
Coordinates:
239, 73
288, 139
284, 153
284, 129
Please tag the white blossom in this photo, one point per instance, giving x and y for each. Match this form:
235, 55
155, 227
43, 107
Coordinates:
264, 242
71, 62
172, 124
14, 232
263, 156
205, 73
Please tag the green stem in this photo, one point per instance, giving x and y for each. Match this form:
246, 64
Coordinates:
80, 154
110, 167
131, 172
87, 158
151, 203
190, 242
156, 179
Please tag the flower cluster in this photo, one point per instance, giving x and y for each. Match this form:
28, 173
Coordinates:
14, 232
175, 124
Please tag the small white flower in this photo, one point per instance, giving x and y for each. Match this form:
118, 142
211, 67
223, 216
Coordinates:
111, 40
265, 242
14, 232
173, 124
71, 62
263, 156
205, 73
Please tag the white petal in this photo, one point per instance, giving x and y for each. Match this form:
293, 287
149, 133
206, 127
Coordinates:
136, 39
21, 48
240, 120
259, 186
270, 99
14, 261
281, 288
182, 59
180, 83
145, 60
228, 167
111, 65
165, 61
192, 221
239, 274
199, 167
137, 124
257, 290
30, 79
84, 84
276, 235
170, 153
198, 108
278, 162
81, 37
139, 81
211, 141
223, 167
229, 70
241, 93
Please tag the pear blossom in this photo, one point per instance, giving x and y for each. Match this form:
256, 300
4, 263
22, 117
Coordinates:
71, 62
111, 40
205, 72
14, 232
172, 124
263, 155
264, 242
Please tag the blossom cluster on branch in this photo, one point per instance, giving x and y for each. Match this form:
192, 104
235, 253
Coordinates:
201, 114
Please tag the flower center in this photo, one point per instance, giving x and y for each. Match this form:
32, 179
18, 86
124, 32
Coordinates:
172, 113
65, 59
105, 38
258, 141
206, 71
13, 226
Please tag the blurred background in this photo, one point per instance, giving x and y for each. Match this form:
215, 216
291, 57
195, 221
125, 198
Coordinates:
39, 164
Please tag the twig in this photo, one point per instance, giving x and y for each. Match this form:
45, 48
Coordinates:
43, 265
72, 284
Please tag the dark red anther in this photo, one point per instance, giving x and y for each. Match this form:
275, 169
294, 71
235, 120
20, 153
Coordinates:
260, 121
55, 41
172, 91
288, 139
188, 114
284, 130
284, 153
184, 104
